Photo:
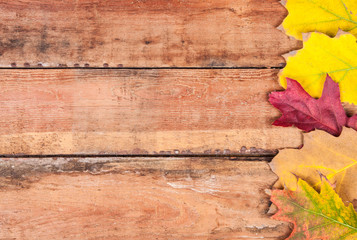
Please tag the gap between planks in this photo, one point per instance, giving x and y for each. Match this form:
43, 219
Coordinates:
140, 68
266, 157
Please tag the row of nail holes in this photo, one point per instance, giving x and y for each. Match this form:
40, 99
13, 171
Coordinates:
106, 65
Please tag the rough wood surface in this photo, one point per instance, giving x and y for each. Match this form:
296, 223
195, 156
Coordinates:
77, 111
150, 33
136, 198
137, 111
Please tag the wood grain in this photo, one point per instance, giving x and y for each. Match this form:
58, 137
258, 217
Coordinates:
136, 198
77, 111
157, 111
150, 33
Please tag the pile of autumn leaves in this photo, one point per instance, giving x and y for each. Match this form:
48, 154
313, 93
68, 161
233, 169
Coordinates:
319, 181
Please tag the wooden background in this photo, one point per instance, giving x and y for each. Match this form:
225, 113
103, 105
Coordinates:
140, 119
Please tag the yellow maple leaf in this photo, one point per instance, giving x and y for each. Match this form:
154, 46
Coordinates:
323, 55
326, 16
336, 158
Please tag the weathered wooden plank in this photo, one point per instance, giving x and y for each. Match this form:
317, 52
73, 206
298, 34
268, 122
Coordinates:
136, 198
153, 33
77, 111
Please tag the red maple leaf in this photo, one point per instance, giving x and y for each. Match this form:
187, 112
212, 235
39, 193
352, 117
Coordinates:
307, 113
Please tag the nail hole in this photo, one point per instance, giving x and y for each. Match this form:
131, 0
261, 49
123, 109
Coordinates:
120, 65
105, 65
76, 65
26, 64
39, 65
13, 64
86, 65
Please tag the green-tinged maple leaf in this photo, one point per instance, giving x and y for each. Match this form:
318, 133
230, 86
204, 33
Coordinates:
315, 215
326, 16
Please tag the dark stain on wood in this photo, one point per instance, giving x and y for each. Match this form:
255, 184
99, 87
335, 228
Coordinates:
43, 46
20, 172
